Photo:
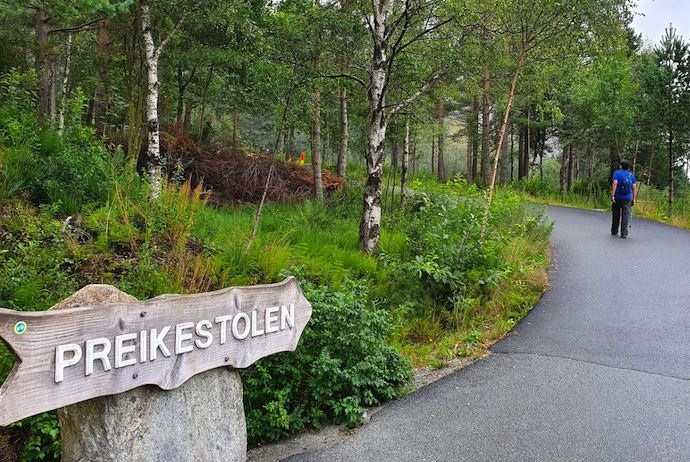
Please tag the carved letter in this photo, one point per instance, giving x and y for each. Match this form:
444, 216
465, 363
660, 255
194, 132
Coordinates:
158, 343
102, 355
202, 330
180, 337
235, 322
121, 350
61, 362
271, 318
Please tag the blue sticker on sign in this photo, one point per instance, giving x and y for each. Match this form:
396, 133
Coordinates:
20, 328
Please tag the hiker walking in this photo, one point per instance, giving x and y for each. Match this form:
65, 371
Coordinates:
623, 195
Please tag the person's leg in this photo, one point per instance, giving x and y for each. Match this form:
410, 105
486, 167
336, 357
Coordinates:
625, 216
616, 213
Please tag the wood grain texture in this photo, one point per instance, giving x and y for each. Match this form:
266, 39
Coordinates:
31, 388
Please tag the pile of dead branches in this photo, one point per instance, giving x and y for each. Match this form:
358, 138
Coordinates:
237, 178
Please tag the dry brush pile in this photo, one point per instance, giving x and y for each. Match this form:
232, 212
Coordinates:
237, 177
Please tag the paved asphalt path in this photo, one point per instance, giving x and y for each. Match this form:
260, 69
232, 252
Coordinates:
598, 371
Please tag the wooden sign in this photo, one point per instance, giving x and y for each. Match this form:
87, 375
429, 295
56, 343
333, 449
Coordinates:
68, 356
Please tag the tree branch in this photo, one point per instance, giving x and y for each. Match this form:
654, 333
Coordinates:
165, 41
420, 35
345, 76
400, 106
75, 28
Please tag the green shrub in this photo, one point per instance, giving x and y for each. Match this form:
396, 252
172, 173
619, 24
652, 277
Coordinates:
44, 438
342, 365
65, 171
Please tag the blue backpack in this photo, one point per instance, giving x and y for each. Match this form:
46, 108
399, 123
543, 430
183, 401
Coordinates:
625, 184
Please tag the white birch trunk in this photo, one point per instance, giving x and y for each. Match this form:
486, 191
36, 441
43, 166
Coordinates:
153, 151
344, 133
53, 89
316, 147
316, 125
370, 225
65, 85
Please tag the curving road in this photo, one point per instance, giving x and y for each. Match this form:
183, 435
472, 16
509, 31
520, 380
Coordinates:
598, 371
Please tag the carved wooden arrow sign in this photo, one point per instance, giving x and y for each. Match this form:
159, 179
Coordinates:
72, 355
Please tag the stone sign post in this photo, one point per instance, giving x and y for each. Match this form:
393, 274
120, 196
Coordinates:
104, 344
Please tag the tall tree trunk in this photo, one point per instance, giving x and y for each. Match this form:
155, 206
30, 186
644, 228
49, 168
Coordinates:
280, 143
135, 79
441, 138
180, 94
571, 162
433, 156
634, 165
152, 55
203, 104
671, 185
414, 152
591, 156
563, 171
475, 139
103, 60
542, 146
65, 85
528, 145
344, 135
370, 223
504, 173
181, 89
486, 127
41, 62
291, 141
405, 163
153, 152
316, 146
394, 166
316, 123
499, 144
512, 151
521, 151
187, 120
470, 132
53, 88
649, 167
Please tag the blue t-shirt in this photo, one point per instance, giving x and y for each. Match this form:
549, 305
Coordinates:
621, 176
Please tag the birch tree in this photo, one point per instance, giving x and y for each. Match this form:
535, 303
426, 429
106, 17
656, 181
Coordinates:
153, 54
394, 26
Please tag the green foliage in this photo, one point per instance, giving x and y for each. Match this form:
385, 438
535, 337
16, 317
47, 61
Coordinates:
452, 262
36, 265
44, 440
342, 366
63, 171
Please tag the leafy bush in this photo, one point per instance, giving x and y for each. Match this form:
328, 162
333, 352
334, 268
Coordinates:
342, 365
65, 171
44, 440
451, 259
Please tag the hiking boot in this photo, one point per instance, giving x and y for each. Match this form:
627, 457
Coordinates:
624, 237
